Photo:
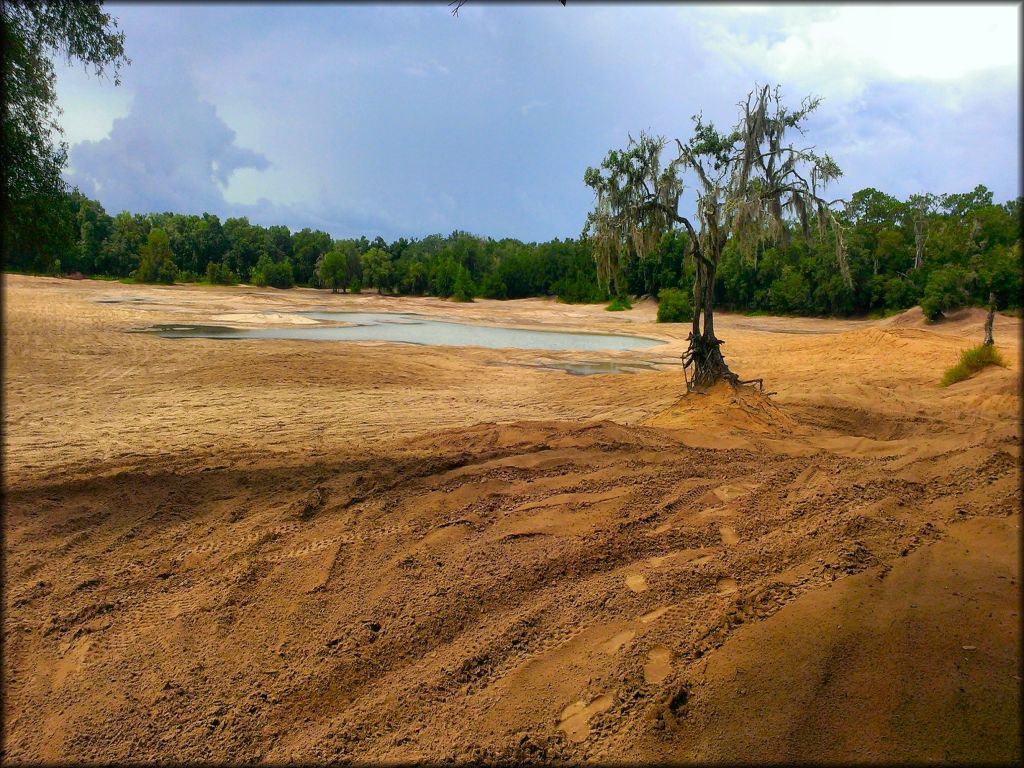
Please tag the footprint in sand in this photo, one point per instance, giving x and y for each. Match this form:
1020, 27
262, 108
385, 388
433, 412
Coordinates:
728, 535
730, 492
71, 663
636, 582
727, 586
574, 719
611, 647
647, 618
692, 556
659, 664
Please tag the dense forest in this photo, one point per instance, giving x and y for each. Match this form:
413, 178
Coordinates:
939, 251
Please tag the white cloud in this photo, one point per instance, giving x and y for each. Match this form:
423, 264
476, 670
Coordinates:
90, 104
180, 161
839, 51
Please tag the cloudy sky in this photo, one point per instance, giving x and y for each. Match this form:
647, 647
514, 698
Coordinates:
403, 120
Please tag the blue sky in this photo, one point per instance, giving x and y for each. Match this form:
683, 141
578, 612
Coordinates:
403, 120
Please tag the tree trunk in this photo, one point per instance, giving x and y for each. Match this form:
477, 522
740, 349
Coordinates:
704, 353
918, 243
776, 210
989, 319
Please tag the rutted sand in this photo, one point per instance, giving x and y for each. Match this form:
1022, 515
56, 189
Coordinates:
270, 550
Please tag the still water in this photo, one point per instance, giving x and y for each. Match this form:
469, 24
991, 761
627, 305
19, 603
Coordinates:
410, 329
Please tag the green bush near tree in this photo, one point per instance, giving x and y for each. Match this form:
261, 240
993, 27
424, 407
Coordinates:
944, 291
619, 304
674, 306
971, 361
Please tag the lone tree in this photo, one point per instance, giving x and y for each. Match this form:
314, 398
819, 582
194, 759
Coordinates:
748, 180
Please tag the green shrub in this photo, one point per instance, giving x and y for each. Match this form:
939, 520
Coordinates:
219, 274
331, 269
1000, 274
356, 286
493, 287
280, 275
579, 289
833, 297
258, 275
275, 274
931, 306
674, 306
791, 293
944, 290
899, 294
463, 290
971, 361
156, 262
442, 277
619, 304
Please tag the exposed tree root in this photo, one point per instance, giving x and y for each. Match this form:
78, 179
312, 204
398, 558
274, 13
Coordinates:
704, 356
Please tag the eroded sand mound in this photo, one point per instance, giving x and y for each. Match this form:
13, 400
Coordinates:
726, 411
954, 320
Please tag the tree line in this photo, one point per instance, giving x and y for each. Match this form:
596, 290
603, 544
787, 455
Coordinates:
939, 251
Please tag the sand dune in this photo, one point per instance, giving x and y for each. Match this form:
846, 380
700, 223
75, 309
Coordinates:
276, 550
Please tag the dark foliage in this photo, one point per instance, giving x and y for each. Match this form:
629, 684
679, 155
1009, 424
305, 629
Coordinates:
971, 248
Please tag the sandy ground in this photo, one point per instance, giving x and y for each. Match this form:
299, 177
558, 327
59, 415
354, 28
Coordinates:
282, 550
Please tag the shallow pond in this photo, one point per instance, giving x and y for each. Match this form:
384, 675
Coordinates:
410, 329
589, 368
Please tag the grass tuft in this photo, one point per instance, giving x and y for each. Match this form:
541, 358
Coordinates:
971, 361
619, 304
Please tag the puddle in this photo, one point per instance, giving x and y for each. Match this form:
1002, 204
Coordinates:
412, 329
588, 368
